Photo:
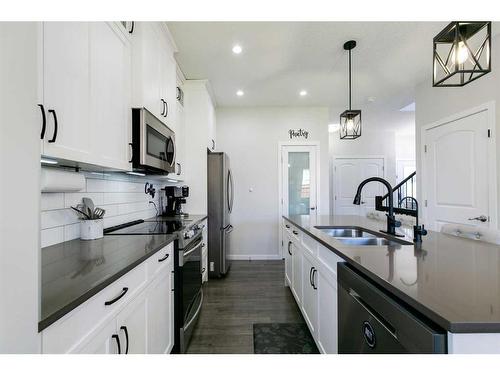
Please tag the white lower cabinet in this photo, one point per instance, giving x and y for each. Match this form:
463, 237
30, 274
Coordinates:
160, 306
327, 312
139, 320
296, 273
310, 294
312, 278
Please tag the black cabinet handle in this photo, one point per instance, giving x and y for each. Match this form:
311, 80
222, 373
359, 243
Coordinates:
163, 107
203, 270
313, 274
124, 328
132, 153
166, 108
310, 276
132, 28
117, 338
54, 137
124, 291
213, 144
289, 244
179, 170
287, 226
295, 232
44, 121
164, 258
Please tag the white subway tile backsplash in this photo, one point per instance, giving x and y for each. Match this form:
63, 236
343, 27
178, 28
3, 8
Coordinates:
52, 201
52, 236
122, 197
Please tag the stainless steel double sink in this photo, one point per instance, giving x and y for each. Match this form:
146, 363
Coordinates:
355, 236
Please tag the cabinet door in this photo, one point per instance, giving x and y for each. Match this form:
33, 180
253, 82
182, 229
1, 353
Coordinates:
180, 143
167, 85
310, 295
131, 324
110, 78
103, 341
66, 90
296, 273
327, 312
160, 328
150, 73
288, 258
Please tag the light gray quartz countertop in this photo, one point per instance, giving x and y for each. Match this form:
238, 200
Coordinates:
453, 281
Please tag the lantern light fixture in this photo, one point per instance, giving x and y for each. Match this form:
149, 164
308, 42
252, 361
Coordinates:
350, 119
462, 53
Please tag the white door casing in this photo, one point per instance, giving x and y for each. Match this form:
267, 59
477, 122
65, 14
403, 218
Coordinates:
347, 175
459, 169
313, 150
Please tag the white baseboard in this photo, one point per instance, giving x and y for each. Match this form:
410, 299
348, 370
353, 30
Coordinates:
254, 257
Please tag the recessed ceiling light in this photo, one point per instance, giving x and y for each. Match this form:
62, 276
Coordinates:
240, 93
237, 49
333, 128
303, 93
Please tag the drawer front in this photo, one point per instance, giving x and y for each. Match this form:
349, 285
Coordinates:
160, 261
71, 329
310, 244
328, 258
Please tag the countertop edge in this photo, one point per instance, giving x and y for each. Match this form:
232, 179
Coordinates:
52, 318
456, 327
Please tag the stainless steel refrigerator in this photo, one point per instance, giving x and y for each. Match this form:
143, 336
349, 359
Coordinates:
220, 205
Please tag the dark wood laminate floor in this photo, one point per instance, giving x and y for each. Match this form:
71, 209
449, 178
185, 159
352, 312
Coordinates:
252, 292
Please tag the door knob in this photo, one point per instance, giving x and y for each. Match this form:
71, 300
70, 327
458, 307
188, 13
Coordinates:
481, 218
312, 208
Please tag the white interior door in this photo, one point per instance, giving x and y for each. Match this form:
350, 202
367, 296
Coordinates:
457, 167
348, 174
299, 186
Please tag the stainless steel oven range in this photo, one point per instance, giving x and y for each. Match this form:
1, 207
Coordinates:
188, 291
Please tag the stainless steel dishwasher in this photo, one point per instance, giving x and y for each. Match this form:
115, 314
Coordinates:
372, 321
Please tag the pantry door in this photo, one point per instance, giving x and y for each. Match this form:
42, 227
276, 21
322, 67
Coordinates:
459, 170
347, 175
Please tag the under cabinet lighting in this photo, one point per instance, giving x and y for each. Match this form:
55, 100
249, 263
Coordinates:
136, 174
48, 161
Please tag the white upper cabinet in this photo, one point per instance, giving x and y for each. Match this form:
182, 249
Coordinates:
86, 93
110, 95
154, 71
66, 90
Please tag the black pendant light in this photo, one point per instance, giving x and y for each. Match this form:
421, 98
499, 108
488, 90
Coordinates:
462, 53
350, 119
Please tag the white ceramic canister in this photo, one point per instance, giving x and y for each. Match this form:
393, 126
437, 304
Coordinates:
91, 229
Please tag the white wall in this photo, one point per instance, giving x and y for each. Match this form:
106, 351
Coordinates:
436, 103
120, 195
405, 146
250, 137
19, 189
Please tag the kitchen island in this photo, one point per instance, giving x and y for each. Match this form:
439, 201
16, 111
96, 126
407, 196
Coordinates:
452, 281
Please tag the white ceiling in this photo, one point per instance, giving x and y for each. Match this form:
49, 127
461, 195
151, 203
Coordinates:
281, 58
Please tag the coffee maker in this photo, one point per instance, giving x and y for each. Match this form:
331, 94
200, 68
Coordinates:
176, 196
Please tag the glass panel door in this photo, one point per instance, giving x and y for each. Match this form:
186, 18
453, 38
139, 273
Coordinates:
299, 180
299, 183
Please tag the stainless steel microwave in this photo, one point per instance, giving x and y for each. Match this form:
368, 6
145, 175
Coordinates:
153, 144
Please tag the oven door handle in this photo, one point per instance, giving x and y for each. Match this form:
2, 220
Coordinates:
186, 326
187, 254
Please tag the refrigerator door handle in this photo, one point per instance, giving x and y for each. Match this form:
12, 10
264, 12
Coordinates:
230, 186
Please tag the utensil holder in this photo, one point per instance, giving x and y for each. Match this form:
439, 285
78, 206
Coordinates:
91, 229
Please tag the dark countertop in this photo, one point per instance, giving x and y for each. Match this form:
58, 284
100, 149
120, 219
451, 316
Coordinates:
453, 281
74, 271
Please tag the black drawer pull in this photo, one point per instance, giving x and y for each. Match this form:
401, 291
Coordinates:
287, 226
132, 28
295, 232
164, 258
289, 244
314, 272
126, 336
117, 343
203, 270
124, 291
54, 137
44, 121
